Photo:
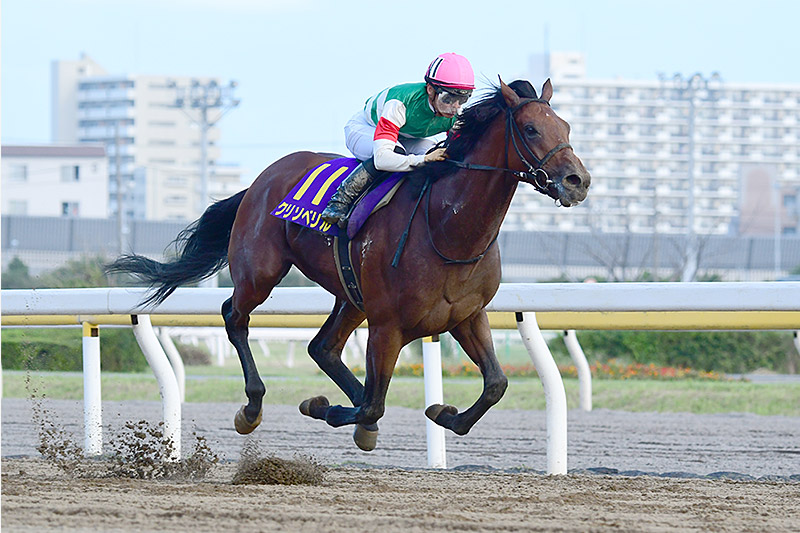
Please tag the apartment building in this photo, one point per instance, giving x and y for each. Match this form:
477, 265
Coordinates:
152, 144
672, 152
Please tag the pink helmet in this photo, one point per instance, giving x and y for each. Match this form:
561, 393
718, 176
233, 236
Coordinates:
451, 71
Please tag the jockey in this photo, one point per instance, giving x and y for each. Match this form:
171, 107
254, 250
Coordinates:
393, 132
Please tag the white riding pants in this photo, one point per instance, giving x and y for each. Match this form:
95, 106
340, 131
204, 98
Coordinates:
359, 134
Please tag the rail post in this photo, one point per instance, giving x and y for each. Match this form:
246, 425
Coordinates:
584, 372
92, 402
554, 394
175, 360
167, 383
432, 371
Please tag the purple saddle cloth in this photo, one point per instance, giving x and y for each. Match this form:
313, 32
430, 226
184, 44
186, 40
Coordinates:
306, 201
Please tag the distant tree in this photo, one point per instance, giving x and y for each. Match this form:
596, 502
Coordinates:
16, 275
83, 272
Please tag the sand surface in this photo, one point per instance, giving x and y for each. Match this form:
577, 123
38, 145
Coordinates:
628, 472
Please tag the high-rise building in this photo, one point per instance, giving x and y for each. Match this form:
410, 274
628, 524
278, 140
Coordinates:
672, 152
153, 145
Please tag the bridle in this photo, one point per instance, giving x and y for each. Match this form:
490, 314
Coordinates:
535, 175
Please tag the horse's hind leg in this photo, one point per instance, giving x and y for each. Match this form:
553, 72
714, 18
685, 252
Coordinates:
475, 337
236, 314
236, 325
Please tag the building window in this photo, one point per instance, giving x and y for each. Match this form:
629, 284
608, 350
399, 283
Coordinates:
70, 173
70, 209
176, 181
175, 200
790, 202
17, 173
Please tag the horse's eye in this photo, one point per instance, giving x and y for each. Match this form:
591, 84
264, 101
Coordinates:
530, 131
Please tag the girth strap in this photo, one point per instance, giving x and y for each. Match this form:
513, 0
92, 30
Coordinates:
344, 266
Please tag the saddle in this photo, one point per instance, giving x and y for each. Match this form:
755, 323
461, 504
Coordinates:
306, 201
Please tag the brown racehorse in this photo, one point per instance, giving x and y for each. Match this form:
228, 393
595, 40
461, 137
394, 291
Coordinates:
448, 271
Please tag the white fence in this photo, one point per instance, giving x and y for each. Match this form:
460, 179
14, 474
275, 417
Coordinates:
759, 305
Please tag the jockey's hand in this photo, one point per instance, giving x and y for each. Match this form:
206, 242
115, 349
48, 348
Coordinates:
437, 155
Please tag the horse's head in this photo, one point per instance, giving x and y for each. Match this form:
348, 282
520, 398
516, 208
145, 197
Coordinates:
539, 144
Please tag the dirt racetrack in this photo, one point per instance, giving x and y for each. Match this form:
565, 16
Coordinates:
750, 468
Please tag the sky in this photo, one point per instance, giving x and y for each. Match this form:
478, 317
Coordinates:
303, 67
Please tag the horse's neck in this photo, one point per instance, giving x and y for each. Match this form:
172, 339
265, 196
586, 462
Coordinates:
469, 207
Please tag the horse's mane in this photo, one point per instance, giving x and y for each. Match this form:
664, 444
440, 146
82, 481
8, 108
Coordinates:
471, 125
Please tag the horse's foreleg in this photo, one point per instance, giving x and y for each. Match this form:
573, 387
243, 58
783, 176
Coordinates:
236, 325
326, 349
475, 337
382, 351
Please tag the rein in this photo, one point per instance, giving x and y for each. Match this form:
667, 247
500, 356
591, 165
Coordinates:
531, 176
404, 237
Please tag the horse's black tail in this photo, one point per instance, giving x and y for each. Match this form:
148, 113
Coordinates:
202, 249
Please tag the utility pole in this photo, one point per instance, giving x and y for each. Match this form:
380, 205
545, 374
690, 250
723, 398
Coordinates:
777, 226
690, 269
689, 90
197, 100
118, 175
655, 233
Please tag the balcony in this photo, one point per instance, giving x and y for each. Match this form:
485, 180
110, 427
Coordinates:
106, 132
99, 113
105, 95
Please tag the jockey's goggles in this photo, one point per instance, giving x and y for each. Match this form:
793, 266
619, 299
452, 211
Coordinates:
449, 99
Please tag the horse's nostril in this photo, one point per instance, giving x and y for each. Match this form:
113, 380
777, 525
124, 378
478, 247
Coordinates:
573, 180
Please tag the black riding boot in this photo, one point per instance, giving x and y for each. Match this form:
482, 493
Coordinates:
338, 208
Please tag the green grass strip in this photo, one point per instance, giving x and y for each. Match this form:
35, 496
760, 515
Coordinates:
692, 396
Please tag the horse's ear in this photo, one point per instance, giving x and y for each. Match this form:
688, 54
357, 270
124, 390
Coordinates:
511, 98
547, 90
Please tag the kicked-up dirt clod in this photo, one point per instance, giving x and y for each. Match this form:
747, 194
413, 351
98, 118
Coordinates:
271, 470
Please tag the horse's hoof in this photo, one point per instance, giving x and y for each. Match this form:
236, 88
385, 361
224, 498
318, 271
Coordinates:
435, 411
315, 407
364, 438
242, 425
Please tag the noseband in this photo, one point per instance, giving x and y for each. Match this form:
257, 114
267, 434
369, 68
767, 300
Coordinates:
535, 175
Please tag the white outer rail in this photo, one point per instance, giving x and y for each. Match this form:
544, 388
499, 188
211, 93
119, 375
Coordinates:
519, 298
511, 297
